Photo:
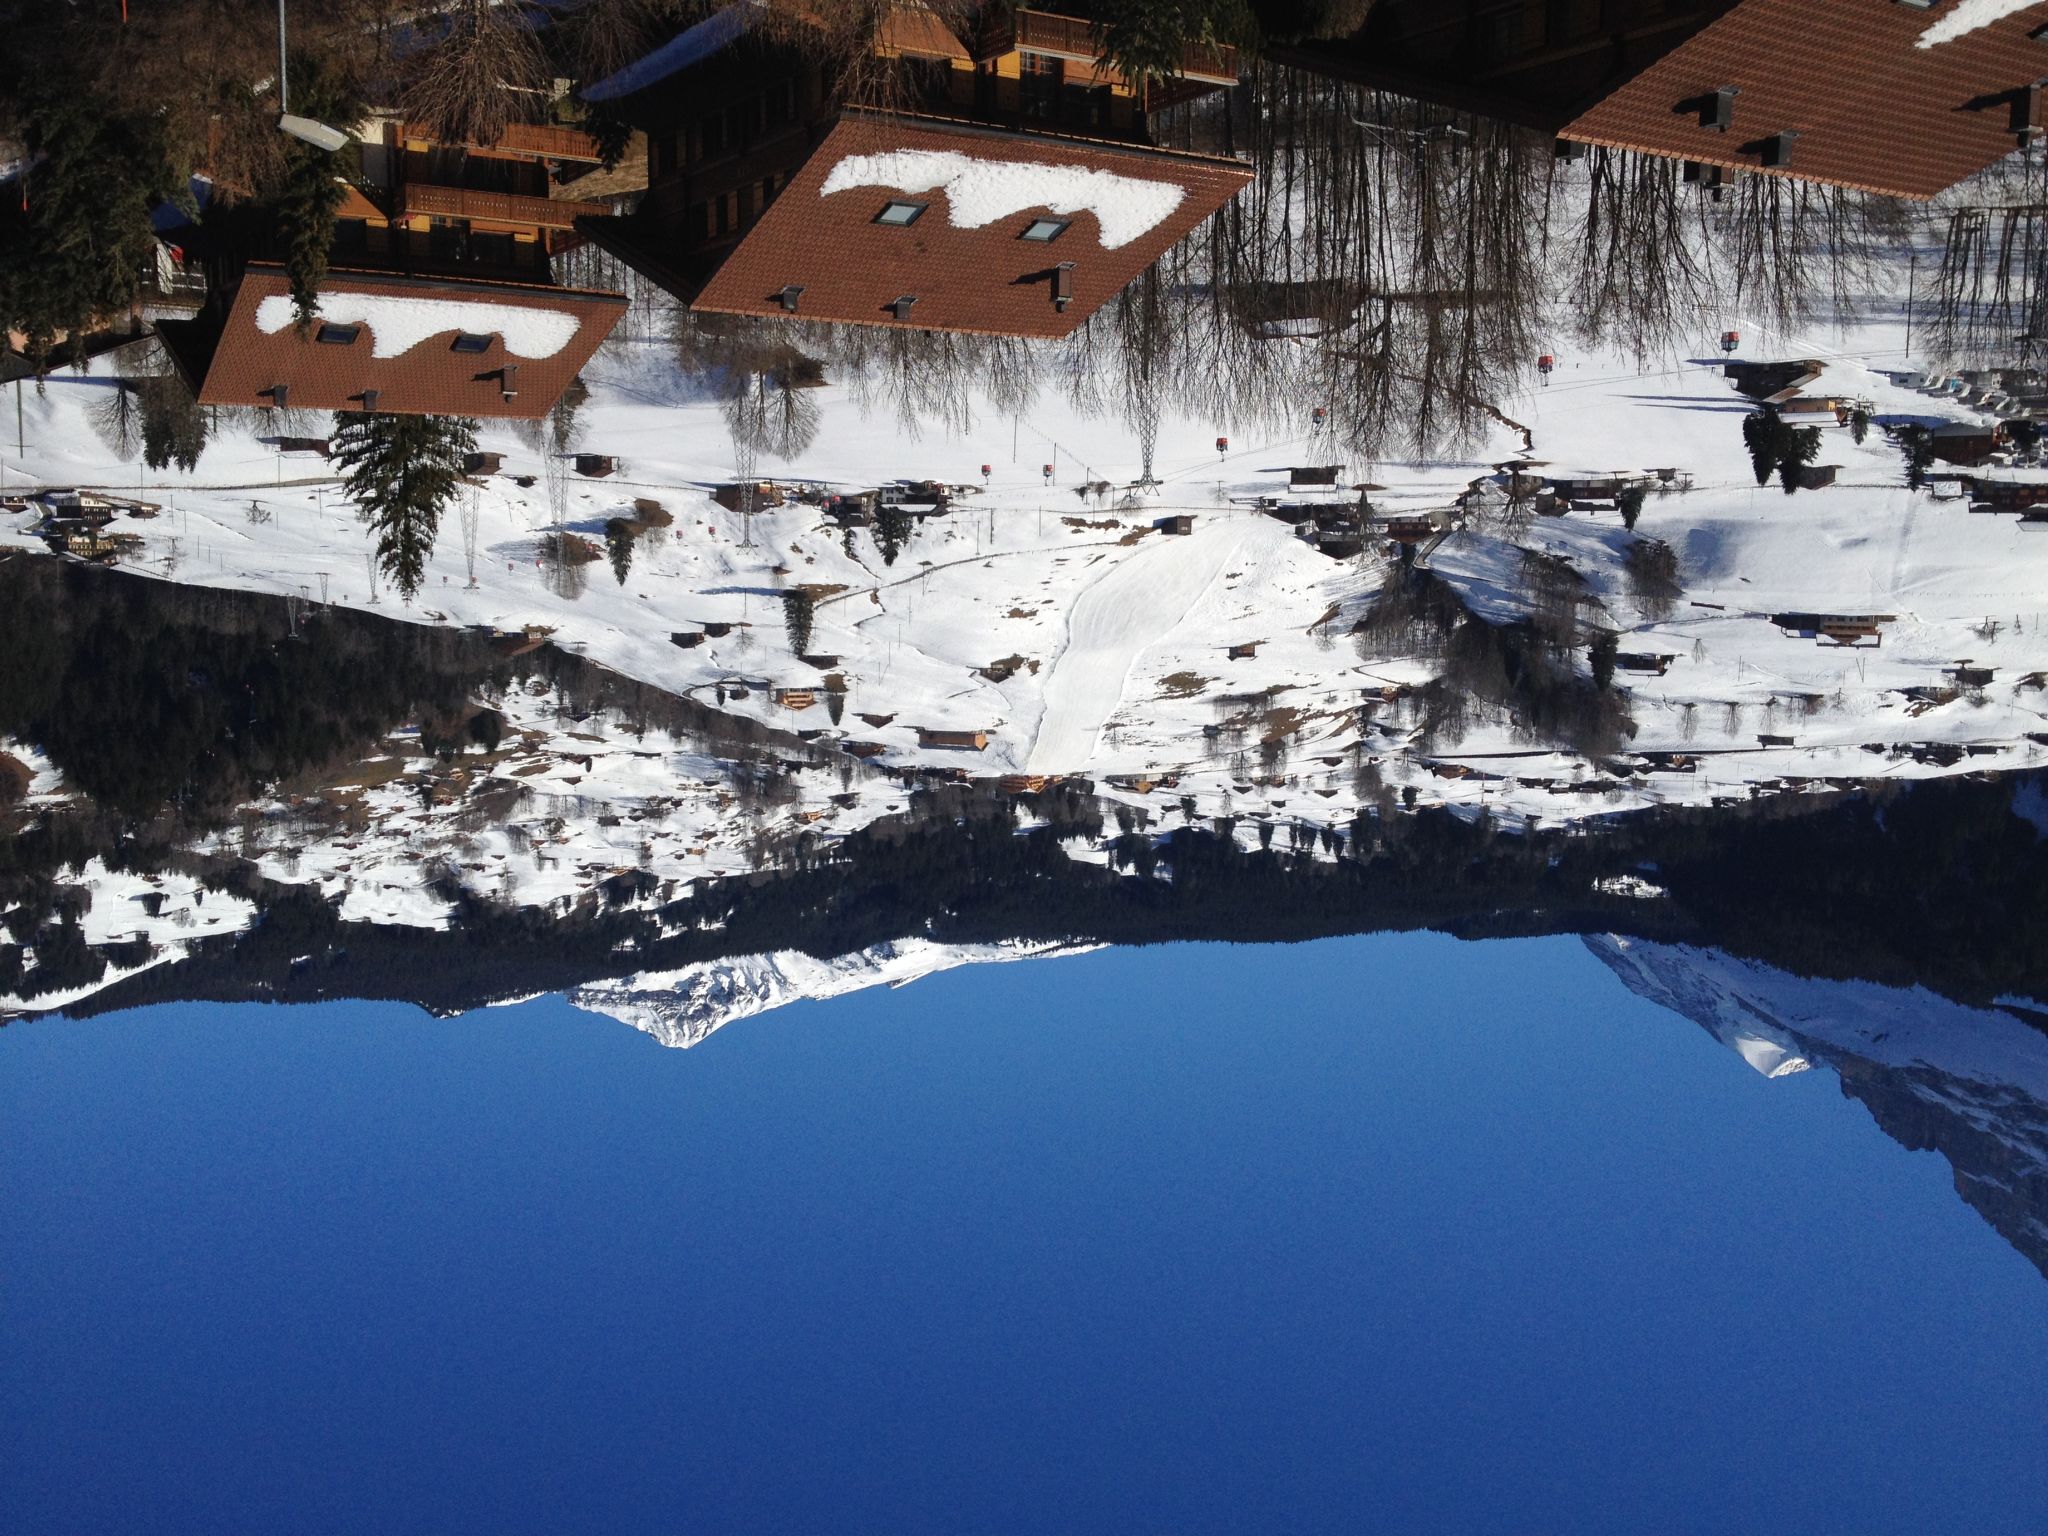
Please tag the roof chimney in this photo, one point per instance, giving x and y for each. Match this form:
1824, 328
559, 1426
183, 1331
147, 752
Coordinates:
1063, 286
901, 307
787, 298
279, 395
1717, 111
508, 383
2025, 101
371, 397
1778, 148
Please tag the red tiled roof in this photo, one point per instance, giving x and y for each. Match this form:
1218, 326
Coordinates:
428, 377
1872, 109
982, 279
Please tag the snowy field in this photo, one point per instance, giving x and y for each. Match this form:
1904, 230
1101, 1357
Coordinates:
1113, 638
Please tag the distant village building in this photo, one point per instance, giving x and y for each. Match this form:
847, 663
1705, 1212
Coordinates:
1880, 100
1178, 522
965, 741
1012, 189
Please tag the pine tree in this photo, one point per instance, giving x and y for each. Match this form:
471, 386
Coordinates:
76, 239
402, 472
893, 527
314, 185
1760, 435
1630, 501
618, 543
1859, 426
173, 425
798, 609
1600, 655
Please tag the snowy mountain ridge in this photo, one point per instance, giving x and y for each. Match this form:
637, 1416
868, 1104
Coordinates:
1969, 1083
682, 1008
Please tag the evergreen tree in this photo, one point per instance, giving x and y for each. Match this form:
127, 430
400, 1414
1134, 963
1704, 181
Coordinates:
75, 237
1760, 435
173, 425
1601, 656
893, 528
1797, 448
618, 543
402, 472
1859, 426
1147, 40
798, 609
315, 182
1630, 501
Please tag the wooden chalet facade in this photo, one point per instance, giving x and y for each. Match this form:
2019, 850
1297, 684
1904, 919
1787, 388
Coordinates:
1899, 97
1012, 189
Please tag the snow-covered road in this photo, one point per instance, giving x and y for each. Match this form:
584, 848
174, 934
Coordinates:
1139, 601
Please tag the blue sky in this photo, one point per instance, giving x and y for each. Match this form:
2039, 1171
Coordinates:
1381, 1233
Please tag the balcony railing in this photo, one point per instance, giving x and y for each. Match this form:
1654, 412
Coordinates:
1068, 37
551, 140
494, 207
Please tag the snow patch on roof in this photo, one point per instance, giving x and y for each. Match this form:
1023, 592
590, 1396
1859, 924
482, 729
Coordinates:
1971, 16
979, 192
397, 325
693, 45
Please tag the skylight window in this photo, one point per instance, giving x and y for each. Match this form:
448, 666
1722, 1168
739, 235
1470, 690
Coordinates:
470, 341
1044, 229
338, 335
898, 215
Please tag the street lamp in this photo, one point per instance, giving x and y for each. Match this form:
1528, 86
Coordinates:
305, 129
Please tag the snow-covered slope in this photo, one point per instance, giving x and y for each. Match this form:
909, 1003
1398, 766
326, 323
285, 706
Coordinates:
681, 1008
1970, 1083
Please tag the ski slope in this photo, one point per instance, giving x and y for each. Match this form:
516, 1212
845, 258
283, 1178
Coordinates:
1112, 622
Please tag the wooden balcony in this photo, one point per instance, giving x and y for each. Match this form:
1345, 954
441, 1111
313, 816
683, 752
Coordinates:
545, 139
1068, 37
418, 199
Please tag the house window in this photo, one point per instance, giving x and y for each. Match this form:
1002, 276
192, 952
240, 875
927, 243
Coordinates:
1039, 84
1044, 229
900, 214
469, 341
337, 335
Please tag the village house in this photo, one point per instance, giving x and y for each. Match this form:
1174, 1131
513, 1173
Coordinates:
964, 741
1729, 87
1011, 189
439, 297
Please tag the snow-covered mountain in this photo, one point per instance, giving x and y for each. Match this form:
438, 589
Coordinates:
683, 1007
1969, 1083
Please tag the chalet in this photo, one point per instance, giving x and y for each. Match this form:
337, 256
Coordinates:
1965, 443
313, 445
1012, 186
1801, 406
964, 741
482, 463
853, 509
1967, 676
1989, 494
1314, 474
864, 749
1023, 783
1776, 741
1772, 383
595, 465
1836, 628
1653, 662
1244, 650
1728, 88
717, 630
795, 698
1294, 513
688, 639
819, 659
1178, 522
1588, 487
734, 498
439, 297
1812, 477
